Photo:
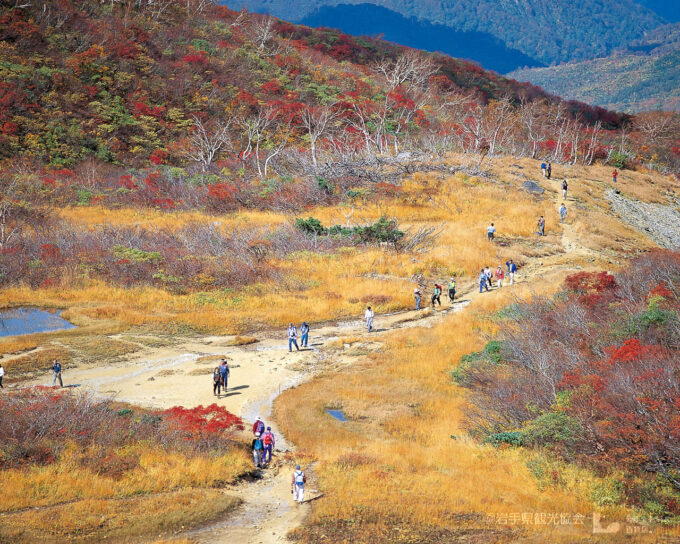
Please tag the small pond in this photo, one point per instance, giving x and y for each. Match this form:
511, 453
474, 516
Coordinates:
18, 321
337, 414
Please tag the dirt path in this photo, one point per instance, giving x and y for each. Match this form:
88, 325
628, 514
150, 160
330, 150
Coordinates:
181, 374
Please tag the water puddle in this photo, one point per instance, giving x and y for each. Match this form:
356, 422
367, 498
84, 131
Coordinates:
19, 321
337, 414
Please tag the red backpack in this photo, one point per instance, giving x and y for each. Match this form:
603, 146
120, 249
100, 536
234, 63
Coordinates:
267, 439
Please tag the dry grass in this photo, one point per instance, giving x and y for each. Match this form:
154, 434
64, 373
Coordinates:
404, 458
122, 520
99, 349
242, 341
161, 493
40, 360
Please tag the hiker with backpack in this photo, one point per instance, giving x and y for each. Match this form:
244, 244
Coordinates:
224, 374
490, 232
217, 381
258, 426
292, 337
298, 485
541, 226
452, 290
418, 296
544, 168
268, 442
500, 275
565, 187
258, 448
436, 295
512, 268
369, 314
56, 369
489, 275
615, 175
563, 212
483, 280
304, 332
549, 171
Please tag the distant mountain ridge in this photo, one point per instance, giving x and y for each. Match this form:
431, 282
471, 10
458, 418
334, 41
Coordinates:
547, 32
645, 76
480, 47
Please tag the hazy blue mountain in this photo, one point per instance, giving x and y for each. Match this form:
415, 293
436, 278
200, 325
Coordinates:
668, 9
547, 31
370, 20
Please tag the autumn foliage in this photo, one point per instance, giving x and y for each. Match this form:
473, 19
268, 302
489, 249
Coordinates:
593, 373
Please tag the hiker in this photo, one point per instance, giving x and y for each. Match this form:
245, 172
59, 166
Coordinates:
452, 290
491, 232
292, 337
2, 373
563, 212
436, 295
541, 226
304, 331
298, 485
268, 442
544, 168
257, 450
615, 175
483, 281
224, 374
488, 273
512, 268
368, 316
500, 275
258, 426
565, 186
417, 295
56, 368
217, 381
549, 171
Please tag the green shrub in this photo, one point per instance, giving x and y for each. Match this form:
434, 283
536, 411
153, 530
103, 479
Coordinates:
620, 160
551, 428
136, 255
383, 230
492, 354
513, 438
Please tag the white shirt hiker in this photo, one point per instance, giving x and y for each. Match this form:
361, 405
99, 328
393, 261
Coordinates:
368, 316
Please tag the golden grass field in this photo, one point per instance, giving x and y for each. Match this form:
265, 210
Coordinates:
403, 468
320, 287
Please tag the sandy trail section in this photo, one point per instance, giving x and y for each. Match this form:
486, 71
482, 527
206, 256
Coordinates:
180, 374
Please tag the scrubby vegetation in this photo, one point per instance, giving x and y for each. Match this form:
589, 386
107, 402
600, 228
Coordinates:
592, 373
74, 466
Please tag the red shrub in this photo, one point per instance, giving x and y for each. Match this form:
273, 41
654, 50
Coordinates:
199, 421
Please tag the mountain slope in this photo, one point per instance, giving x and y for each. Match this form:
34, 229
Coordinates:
80, 81
645, 77
545, 31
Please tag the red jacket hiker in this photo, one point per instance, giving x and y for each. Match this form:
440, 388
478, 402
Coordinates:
258, 426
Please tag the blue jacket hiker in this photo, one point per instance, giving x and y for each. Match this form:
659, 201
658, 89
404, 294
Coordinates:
304, 332
483, 281
258, 449
56, 368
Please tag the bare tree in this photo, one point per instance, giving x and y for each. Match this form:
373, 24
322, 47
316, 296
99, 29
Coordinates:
206, 141
264, 33
317, 121
412, 66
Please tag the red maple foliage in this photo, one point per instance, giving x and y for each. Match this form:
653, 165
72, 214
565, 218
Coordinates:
199, 421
